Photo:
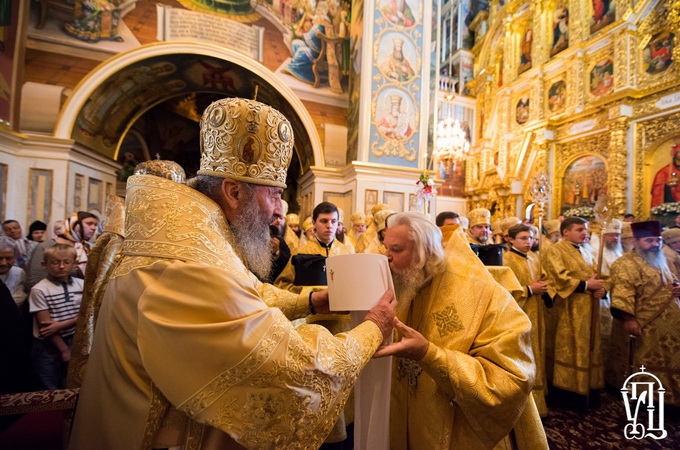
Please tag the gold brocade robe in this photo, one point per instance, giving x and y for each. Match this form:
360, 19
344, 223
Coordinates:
640, 291
375, 247
576, 368
291, 239
673, 259
353, 238
191, 349
335, 323
100, 263
473, 385
365, 239
545, 243
526, 271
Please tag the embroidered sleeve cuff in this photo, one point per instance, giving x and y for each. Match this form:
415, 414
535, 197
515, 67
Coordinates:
369, 336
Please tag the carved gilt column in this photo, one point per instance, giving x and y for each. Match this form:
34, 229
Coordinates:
618, 155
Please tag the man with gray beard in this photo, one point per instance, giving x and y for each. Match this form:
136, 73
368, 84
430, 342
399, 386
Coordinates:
646, 309
190, 349
464, 367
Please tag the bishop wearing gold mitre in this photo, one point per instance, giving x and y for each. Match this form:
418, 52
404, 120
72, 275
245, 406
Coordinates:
524, 264
357, 227
479, 227
575, 291
371, 229
376, 245
190, 349
551, 235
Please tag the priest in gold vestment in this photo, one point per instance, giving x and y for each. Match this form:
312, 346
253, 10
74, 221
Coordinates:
190, 348
325, 220
524, 264
371, 230
357, 227
574, 289
464, 369
646, 308
671, 248
479, 230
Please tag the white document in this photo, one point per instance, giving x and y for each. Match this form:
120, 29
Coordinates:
356, 282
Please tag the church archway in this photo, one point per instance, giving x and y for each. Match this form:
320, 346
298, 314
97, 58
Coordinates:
105, 105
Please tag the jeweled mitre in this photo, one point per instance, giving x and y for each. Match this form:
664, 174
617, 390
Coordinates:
247, 141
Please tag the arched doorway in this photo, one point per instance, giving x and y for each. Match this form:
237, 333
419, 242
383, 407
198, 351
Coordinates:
182, 78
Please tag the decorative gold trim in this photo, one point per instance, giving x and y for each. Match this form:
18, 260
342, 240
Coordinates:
649, 134
568, 152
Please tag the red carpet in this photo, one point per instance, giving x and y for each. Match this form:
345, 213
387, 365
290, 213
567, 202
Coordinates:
35, 431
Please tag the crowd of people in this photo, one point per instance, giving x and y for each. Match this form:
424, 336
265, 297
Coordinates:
42, 275
205, 320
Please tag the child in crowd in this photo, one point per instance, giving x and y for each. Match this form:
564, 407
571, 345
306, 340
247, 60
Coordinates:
55, 301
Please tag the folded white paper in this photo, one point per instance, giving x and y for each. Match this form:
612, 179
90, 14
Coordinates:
356, 282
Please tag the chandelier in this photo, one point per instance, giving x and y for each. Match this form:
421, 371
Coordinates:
451, 143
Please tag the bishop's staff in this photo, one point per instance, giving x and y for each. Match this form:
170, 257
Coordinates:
603, 215
541, 190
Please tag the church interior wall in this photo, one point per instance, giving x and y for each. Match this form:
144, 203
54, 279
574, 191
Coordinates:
592, 95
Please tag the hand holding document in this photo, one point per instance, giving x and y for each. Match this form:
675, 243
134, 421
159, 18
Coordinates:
358, 283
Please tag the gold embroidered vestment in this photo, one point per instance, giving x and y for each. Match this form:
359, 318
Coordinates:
190, 349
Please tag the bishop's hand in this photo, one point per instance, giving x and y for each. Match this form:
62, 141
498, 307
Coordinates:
413, 345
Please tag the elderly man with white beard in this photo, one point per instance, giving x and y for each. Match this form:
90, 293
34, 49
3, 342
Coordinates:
190, 349
464, 367
646, 307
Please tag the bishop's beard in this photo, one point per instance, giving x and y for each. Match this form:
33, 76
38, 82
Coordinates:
251, 230
657, 259
406, 286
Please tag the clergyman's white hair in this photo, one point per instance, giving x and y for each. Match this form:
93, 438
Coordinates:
427, 239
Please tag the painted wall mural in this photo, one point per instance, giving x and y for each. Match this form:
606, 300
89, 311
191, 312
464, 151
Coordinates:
666, 173
584, 182
557, 97
525, 50
658, 53
560, 27
103, 119
604, 13
396, 83
522, 110
602, 77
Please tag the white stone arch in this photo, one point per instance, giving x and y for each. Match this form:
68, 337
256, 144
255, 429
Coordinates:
88, 85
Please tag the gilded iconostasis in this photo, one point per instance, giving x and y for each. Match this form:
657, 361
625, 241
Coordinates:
585, 91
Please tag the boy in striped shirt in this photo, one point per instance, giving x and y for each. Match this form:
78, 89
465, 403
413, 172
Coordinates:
54, 301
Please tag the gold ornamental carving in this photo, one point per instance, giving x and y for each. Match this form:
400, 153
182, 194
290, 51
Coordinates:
660, 22
649, 134
618, 156
567, 152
